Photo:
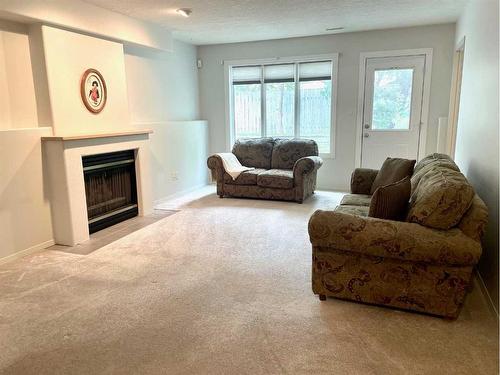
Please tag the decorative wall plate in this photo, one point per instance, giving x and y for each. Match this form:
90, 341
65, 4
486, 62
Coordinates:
93, 90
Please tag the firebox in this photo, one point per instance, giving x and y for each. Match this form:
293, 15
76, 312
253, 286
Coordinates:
110, 188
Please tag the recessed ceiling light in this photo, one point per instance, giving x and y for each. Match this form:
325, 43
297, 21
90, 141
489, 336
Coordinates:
334, 28
185, 12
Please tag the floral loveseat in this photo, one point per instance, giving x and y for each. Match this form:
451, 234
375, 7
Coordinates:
285, 169
423, 264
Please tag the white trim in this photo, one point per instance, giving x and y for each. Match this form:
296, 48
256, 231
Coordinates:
480, 283
179, 194
424, 118
30, 250
455, 91
228, 103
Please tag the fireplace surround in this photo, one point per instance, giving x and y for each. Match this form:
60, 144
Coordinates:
64, 166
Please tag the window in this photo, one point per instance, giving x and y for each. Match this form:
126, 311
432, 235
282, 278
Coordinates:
392, 99
294, 98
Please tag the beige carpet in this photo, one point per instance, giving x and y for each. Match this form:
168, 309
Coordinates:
222, 287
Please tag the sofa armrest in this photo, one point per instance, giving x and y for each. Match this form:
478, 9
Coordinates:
391, 239
362, 180
306, 165
214, 162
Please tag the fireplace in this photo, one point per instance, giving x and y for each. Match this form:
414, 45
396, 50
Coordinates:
110, 188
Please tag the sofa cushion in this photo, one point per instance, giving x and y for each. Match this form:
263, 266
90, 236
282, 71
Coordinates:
393, 170
437, 159
356, 200
276, 178
440, 199
245, 178
254, 152
353, 210
390, 202
287, 151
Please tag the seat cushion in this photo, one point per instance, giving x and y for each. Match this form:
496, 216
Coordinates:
390, 202
356, 200
440, 199
353, 210
276, 178
254, 152
393, 170
245, 178
287, 151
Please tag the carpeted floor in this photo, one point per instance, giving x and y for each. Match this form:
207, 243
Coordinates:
221, 287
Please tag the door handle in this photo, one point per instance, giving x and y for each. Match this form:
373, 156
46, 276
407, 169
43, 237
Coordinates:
366, 135
367, 126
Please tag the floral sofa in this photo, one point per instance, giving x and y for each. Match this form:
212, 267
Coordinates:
285, 169
423, 264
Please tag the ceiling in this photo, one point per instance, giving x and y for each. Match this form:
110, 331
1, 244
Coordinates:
228, 21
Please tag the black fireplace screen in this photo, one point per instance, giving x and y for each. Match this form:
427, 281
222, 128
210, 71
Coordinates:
110, 188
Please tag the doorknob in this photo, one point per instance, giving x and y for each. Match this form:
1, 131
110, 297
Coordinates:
367, 126
366, 135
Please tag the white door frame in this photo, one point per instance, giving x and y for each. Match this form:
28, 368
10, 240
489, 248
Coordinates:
424, 118
456, 87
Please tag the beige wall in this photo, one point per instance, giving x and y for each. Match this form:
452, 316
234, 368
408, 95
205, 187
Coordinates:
18, 105
25, 223
67, 56
477, 134
335, 173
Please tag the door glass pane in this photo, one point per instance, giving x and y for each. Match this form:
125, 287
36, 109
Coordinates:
392, 99
315, 112
280, 109
247, 110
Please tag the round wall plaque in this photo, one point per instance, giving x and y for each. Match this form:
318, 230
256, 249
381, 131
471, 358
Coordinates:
93, 90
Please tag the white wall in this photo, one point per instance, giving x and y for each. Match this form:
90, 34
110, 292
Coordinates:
179, 151
25, 223
335, 173
162, 86
67, 56
163, 96
477, 134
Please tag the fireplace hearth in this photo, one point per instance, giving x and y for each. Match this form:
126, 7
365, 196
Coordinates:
110, 188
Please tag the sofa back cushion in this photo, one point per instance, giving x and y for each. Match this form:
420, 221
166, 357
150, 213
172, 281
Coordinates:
440, 196
287, 151
431, 162
392, 170
254, 152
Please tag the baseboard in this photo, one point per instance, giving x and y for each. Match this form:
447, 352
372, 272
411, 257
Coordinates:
178, 194
480, 283
28, 251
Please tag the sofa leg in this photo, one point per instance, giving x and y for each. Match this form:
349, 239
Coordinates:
322, 297
221, 196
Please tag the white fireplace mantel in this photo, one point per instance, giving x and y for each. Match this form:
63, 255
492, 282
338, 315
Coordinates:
63, 166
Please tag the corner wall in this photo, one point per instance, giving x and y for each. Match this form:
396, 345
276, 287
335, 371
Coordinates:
478, 121
335, 173
163, 96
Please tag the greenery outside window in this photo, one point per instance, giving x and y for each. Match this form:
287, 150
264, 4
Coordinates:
292, 98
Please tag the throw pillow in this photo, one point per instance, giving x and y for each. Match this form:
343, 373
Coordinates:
393, 170
390, 202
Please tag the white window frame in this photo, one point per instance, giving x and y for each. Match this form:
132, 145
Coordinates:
333, 57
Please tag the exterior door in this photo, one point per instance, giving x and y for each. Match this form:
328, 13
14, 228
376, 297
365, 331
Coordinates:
392, 109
